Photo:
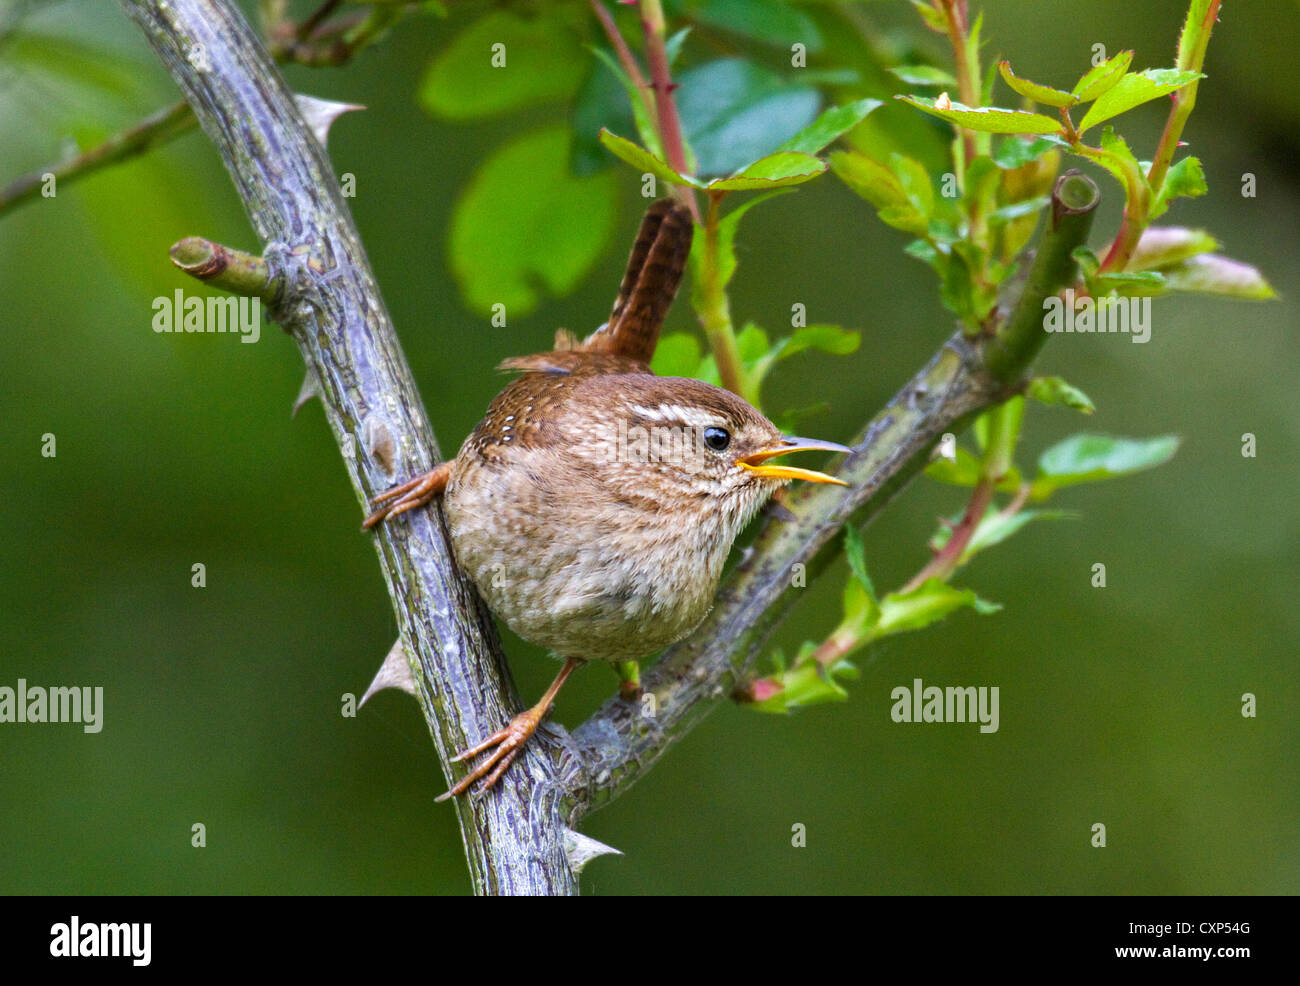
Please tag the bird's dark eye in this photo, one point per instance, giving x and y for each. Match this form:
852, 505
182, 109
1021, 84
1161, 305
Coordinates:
717, 439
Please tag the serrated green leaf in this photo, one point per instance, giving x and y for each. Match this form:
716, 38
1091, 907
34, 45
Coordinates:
643, 160
1116, 158
525, 225
543, 62
927, 603
1055, 390
1132, 90
923, 75
1185, 179
1102, 77
832, 124
1088, 458
1211, 273
855, 552
774, 171
1035, 91
994, 120
1162, 246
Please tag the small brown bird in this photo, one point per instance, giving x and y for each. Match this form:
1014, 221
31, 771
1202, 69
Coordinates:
595, 504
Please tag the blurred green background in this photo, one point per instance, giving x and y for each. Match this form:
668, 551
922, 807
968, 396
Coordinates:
1118, 705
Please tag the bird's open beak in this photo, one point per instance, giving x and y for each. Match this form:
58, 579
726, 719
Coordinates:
755, 461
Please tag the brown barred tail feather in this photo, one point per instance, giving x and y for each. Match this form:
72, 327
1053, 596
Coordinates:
654, 271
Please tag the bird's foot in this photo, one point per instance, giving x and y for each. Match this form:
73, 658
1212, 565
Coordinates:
505, 745
411, 494
509, 741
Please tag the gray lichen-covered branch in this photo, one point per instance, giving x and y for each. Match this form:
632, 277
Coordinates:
328, 301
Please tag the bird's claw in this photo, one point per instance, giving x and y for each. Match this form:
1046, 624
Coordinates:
505, 745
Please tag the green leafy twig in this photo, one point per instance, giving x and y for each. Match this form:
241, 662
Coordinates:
149, 133
339, 46
1192, 44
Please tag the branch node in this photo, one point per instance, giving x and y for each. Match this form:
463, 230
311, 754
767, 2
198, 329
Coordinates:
225, 268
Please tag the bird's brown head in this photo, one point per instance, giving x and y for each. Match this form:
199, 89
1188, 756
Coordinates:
680, 445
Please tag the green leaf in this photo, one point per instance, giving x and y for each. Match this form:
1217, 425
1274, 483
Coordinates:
774, 171
1133, 90
676, 355
645, 126
962, 470
770, 21
1185, 179
1033, 90
1116, 158
874, 181
525, 225
833, 123
643, 160
987, 119
1127, 284
855, 552
734, 112
1054, 390
995, 527
882, 186
1089, 263
804, 685
935, 18
1089, 458
1017, 210
914, 180
1015, 152
923, 75
927, 603
1211, 273
981, 185
828, 338
1102, 77
1162, 246
543, 62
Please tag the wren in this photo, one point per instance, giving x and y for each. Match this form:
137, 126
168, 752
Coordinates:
595, 504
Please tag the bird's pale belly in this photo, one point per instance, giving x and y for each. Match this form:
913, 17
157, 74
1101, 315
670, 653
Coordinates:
589, 590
